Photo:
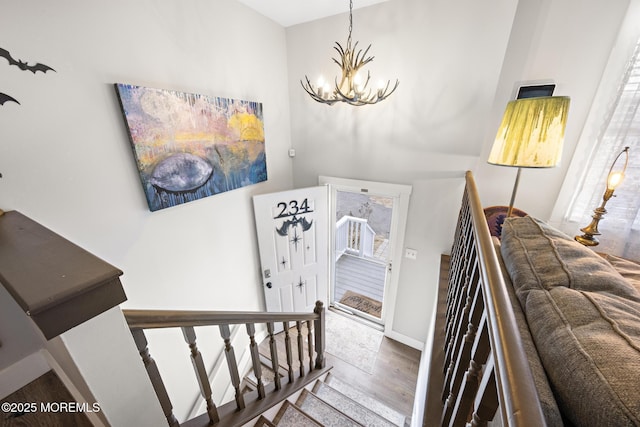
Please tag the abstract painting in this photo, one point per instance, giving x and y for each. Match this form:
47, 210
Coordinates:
190, 146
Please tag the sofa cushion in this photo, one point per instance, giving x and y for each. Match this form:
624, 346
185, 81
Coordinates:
548, 402
585, 321
627, 268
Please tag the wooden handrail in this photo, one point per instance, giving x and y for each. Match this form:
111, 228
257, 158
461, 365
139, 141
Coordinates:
242, 409
154, 319
517, 394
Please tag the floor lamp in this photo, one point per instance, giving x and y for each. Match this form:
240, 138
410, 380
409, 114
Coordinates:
530, 135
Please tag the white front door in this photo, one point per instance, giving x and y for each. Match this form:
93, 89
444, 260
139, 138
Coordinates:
292, 228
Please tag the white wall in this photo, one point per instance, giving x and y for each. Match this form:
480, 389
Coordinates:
67, 163
458, 64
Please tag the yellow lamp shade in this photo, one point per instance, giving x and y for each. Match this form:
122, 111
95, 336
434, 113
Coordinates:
531, 133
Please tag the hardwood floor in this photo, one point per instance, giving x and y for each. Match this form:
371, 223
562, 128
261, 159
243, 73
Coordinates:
393, 377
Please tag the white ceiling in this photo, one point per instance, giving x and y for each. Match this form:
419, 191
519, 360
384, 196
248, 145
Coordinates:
292, 12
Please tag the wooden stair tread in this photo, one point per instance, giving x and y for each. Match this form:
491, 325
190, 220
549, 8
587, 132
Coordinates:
366, 400
349, 407
264, 422
291, 415
324, 413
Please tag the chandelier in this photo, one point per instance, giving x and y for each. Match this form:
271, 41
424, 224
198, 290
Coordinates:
351, 88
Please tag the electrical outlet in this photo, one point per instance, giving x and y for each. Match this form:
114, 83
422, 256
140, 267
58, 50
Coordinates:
410, 253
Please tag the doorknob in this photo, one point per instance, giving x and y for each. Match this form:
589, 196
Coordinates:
269, 285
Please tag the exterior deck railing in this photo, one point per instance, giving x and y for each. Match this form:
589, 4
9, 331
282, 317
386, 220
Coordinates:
354, 236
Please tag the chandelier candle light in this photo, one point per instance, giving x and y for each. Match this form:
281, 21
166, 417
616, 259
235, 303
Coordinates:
614, 179
530, 135
351, 88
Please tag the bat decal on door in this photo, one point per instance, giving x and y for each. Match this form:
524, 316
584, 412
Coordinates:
284, 228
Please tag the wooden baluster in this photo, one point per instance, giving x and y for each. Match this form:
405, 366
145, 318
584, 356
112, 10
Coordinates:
470, 315
255, 358
474, 315
466, 396
456, 377
457, 258
486, 403
310, 343
274, 356
453, 289
300, 347
287, 345
454, 270
475, 355
225, 332
465, 280
459, 284
455, 346
154, 376
320, 334
452, 335
201, 373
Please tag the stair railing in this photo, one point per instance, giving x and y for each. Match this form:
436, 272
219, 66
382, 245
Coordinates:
243, 408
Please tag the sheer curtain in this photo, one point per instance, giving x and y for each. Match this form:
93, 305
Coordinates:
620, 227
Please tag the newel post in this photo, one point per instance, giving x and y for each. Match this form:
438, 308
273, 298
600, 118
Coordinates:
320, 334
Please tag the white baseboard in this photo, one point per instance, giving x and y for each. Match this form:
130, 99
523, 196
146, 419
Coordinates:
411, 342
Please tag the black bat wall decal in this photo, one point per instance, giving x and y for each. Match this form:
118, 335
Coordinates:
5, 98
24, 66
284, 229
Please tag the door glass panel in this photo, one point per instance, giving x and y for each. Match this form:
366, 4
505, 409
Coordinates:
363, 224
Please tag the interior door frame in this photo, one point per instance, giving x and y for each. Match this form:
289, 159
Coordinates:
400, 193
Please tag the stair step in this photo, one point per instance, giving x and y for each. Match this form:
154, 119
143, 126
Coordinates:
264, 422
366, 400
291, 415
324, 413
349, 406
267, 377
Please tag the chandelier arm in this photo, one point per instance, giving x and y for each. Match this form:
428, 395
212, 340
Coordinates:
360, 58
310, 90
384, 95
386, 88
342, 96
315, 96
337, 88
366, 82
